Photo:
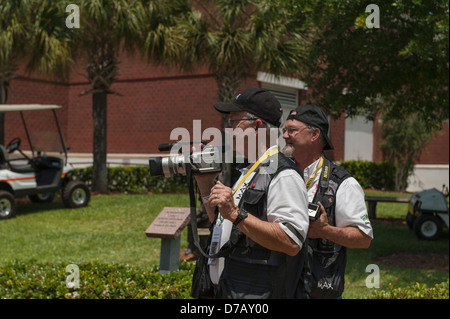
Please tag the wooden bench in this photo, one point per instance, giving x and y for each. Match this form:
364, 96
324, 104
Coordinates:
373, 200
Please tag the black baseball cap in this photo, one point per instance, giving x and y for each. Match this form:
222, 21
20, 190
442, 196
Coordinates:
312, 115
259, 102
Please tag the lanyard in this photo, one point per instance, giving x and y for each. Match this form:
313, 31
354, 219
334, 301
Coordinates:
310, 180
254, 166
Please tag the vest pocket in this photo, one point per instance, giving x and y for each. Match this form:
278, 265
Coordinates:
245, 281
253, 202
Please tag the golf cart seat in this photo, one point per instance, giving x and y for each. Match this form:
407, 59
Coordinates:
6, 163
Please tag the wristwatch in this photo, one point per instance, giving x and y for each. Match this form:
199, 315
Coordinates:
242, 214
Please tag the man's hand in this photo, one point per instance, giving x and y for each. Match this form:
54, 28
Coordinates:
318, 227
222, 197
350, 236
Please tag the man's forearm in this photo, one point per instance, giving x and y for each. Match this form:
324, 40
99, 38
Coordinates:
351, 237
269, 235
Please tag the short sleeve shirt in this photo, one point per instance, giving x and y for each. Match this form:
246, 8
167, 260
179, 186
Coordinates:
350, 203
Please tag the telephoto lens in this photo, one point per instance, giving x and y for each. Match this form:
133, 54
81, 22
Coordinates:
206, 161
168, 166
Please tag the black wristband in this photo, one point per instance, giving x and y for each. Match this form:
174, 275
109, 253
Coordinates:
242, 214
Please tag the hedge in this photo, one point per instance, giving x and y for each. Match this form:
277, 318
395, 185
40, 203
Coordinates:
417, 291
376, 175
134, 179
137, 179
19, 280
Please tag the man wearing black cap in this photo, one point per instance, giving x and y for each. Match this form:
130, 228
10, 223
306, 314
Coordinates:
343, 221
261, 222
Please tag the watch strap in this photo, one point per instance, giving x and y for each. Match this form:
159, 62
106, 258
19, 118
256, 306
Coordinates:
242, 214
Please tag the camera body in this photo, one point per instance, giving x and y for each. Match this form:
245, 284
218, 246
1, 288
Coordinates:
208, 160
313, 211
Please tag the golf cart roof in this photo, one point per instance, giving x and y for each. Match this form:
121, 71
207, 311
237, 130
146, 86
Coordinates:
27, 107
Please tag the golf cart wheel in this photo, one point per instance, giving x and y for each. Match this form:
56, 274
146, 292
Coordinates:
42, 197
76, 194
7, 205
427, 227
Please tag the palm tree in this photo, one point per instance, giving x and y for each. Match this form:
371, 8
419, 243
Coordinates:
105, 28
33, 29
162, 41
11, 38
37, 28
50, 43
237, 39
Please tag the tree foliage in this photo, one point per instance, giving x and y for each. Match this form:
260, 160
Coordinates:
107, 27
398, 69
34, 30
238, 38
235, 39
402, 143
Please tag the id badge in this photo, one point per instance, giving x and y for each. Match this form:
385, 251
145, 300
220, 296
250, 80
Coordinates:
215, 243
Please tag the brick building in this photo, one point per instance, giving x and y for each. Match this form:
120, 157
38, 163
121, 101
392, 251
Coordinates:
155, 100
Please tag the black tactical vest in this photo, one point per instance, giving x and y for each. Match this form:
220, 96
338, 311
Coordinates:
252, 271
327, 260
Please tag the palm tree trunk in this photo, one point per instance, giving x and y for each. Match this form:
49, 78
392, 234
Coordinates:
99, 169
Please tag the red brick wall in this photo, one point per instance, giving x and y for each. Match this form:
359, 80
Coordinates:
153, 101
337, 133
31, 91
434, 152
145, 113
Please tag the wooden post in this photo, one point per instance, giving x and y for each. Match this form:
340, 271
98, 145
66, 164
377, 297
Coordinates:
372, 209
170, 255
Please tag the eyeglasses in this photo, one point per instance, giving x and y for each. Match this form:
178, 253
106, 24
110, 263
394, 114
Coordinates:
292, 130
230, 122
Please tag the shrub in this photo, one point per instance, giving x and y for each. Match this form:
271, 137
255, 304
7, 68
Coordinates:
377, 175
417, 291
137, 179
96, 280
134, 179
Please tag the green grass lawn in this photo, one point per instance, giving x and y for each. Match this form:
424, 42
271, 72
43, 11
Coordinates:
111, 230
387, 241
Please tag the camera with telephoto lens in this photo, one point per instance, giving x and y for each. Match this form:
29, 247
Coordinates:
208, 160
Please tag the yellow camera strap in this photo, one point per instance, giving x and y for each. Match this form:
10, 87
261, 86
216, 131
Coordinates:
319, 166
254, 166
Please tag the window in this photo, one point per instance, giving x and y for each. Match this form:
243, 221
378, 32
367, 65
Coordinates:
285, 89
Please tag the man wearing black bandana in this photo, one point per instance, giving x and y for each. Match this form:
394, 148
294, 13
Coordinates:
343, 222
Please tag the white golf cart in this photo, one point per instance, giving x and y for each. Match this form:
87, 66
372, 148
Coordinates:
33, 173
